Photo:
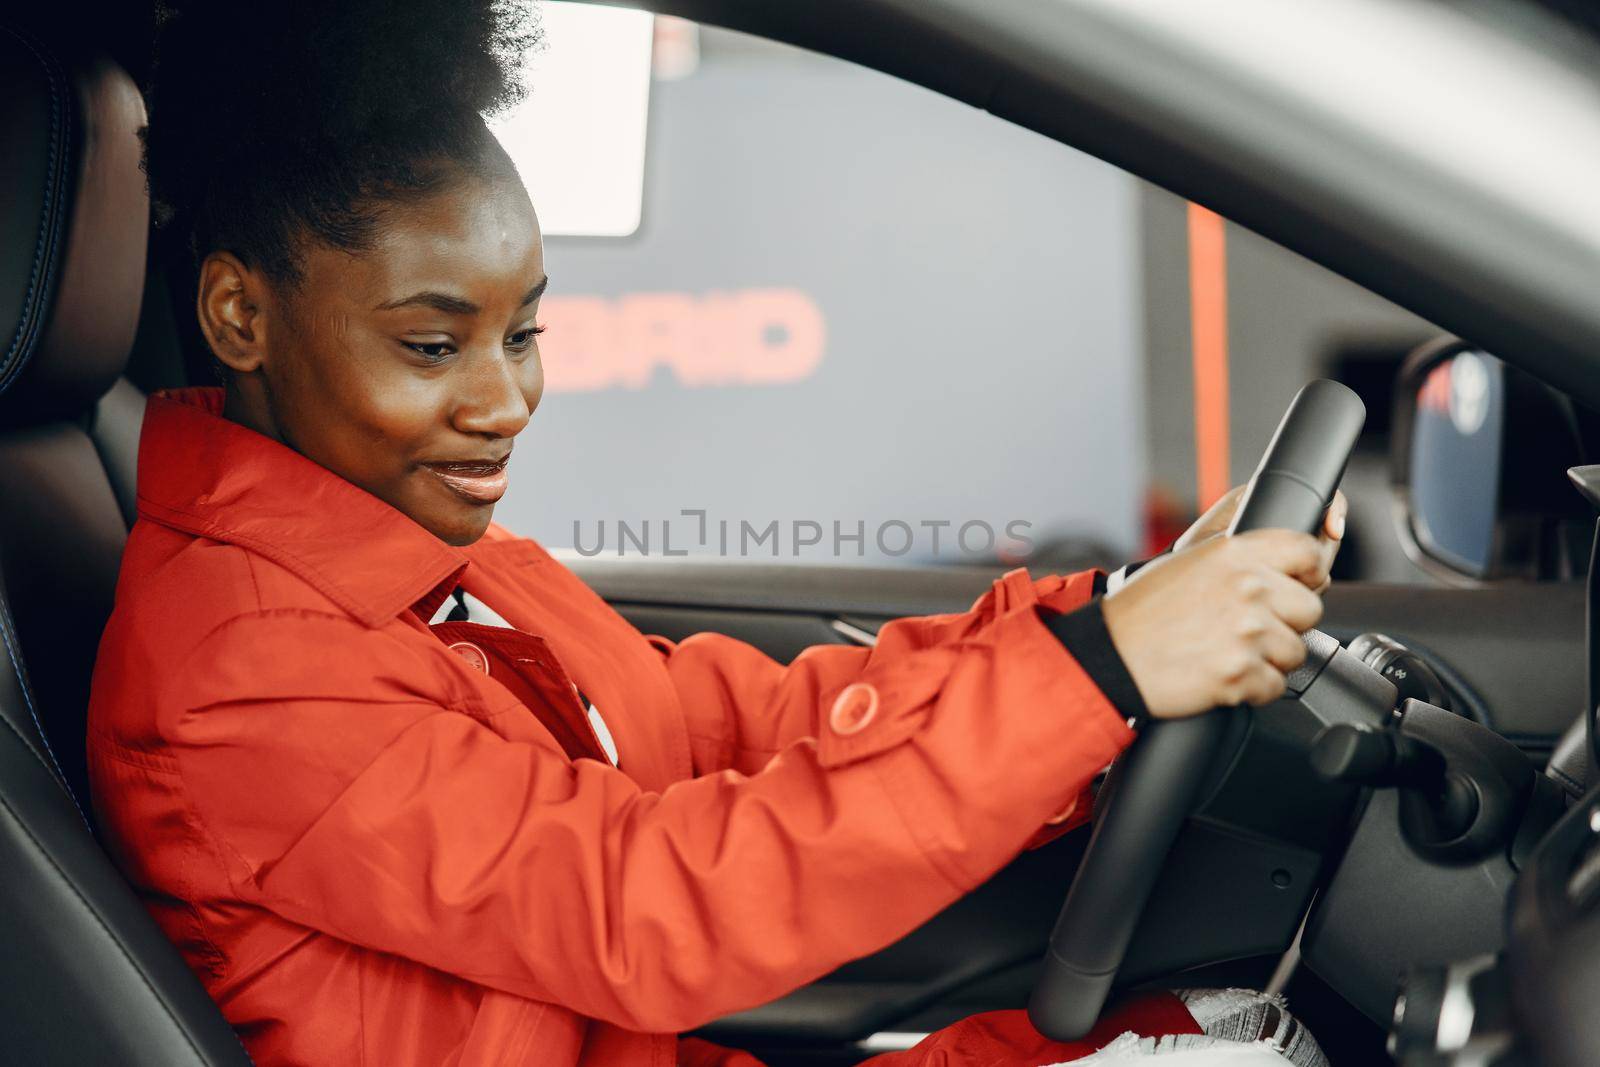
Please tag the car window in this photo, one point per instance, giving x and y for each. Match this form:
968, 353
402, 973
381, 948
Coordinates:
857, 321
848, 320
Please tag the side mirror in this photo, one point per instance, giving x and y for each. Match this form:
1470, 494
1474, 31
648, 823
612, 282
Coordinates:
1478, 468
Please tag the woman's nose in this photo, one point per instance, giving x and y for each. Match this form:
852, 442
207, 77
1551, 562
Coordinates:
491, 400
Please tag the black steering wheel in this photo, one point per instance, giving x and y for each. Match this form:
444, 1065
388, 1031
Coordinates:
1153, 786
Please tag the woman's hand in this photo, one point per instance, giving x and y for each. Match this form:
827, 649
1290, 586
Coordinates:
1219, 622
1214, 523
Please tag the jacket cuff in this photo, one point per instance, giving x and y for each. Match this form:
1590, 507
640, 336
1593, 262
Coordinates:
1084, 634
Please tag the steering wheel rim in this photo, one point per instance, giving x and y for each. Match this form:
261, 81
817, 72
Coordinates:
1154, 785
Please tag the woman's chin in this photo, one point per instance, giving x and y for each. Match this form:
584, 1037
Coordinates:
461, 528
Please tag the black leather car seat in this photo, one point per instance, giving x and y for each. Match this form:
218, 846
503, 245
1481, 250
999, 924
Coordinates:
85, 976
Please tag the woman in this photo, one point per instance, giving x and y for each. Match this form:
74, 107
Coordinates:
383, 834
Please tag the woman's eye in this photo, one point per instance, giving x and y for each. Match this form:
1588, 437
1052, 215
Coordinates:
431, 350
523, 339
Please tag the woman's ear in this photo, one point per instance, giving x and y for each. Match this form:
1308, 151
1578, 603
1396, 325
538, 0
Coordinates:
230, 304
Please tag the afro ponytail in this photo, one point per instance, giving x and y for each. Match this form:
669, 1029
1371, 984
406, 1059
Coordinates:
293, 118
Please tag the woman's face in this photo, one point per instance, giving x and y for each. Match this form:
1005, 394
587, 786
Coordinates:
410, 369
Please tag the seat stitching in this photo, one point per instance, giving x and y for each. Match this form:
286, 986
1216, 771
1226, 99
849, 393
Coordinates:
27, 697
60, 119
20, 736
27, 743
111, 935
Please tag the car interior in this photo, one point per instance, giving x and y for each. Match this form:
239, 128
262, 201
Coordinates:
1443, 725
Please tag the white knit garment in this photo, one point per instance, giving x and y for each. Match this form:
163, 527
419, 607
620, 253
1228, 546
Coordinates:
1196, 1050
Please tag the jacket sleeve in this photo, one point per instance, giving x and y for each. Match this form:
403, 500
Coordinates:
367, 805
743, 707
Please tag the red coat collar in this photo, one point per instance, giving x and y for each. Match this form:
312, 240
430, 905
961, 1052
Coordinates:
209, 476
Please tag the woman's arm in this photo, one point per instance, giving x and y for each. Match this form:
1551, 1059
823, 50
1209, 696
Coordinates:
743, 707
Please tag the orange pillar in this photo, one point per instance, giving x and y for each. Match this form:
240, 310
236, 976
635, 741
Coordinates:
1208, 322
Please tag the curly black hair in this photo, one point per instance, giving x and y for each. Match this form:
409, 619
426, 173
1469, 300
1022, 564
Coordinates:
270, 123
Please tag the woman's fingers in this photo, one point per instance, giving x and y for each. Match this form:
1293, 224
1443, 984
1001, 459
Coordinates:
1282, 647
1283, 551
1333, 524
1333, 528
1319, 578
1316, 577
1293, 602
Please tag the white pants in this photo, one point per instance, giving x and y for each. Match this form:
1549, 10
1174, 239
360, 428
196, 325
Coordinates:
1243, 1028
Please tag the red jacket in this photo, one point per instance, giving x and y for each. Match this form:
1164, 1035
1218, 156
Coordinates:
374, 849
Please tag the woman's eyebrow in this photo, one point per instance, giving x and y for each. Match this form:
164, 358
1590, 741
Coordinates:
450, 305
455, 305
536, 292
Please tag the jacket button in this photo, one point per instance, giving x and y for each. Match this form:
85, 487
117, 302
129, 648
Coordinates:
853, 709
472, 654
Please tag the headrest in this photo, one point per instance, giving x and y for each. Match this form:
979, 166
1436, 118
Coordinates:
74, 219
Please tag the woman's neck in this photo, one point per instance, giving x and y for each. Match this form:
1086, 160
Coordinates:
246, 403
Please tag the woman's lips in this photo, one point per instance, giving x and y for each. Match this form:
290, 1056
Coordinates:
479, 483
